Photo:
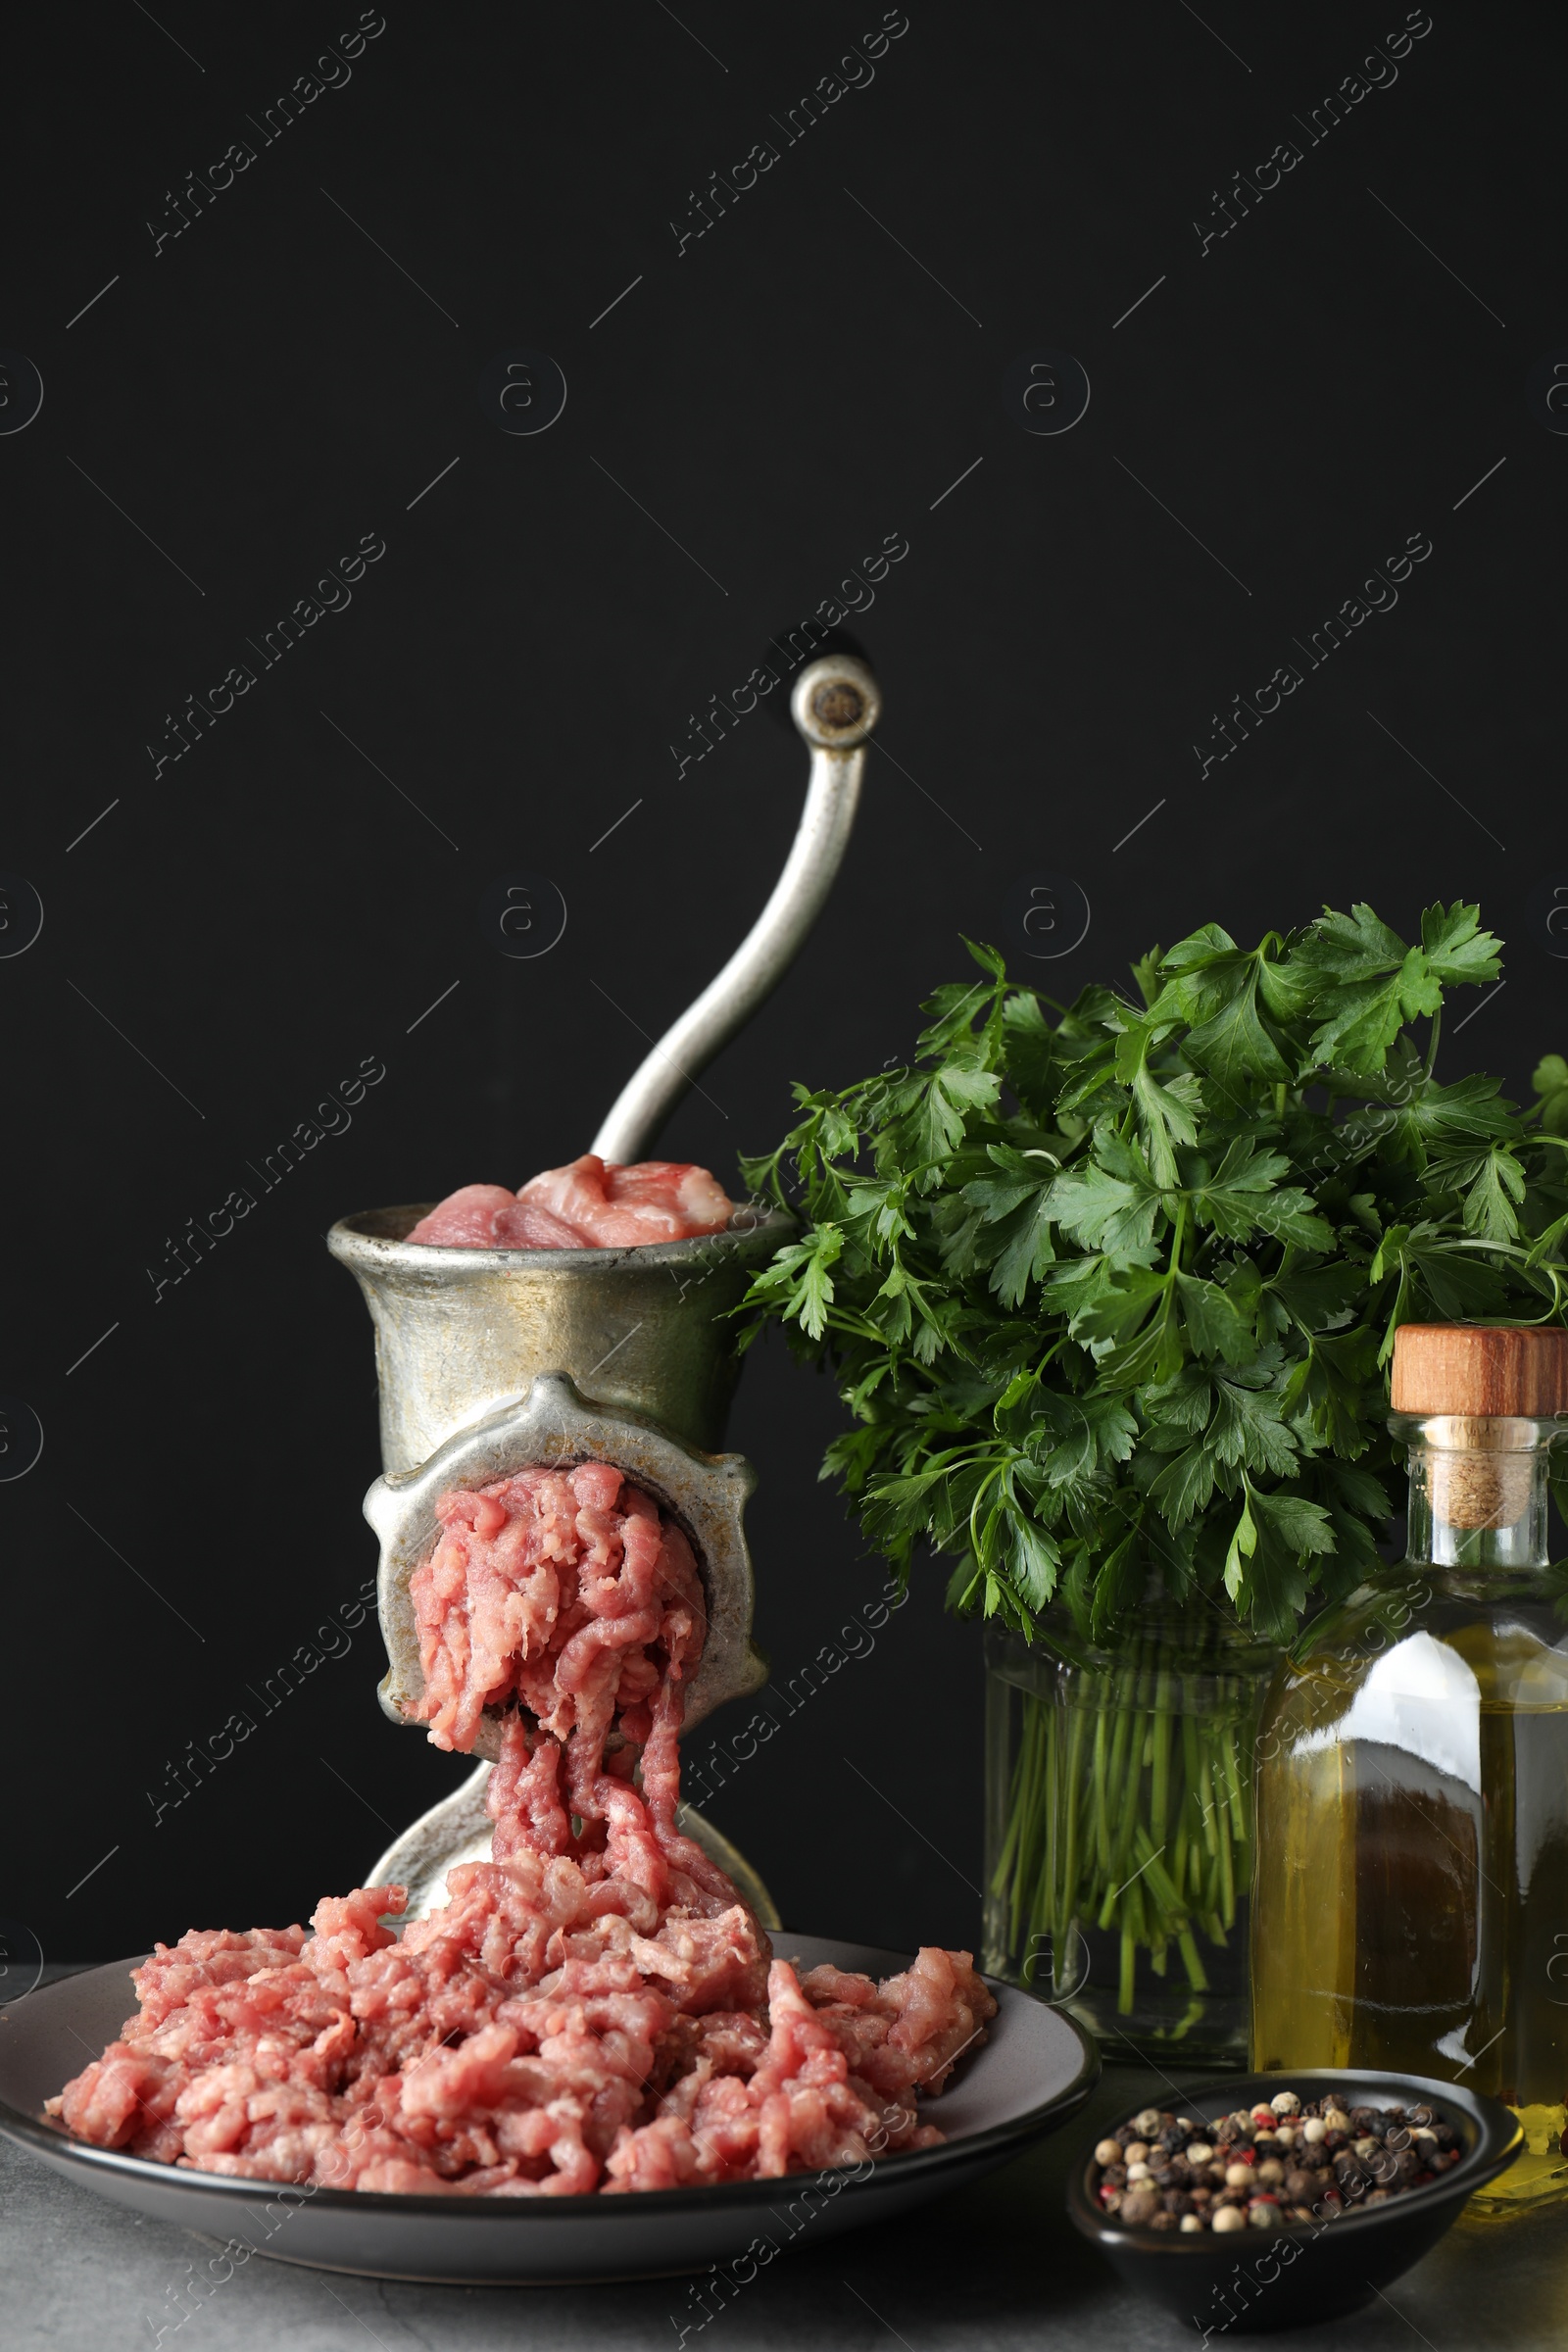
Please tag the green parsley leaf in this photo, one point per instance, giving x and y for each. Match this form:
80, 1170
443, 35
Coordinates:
1550, 1081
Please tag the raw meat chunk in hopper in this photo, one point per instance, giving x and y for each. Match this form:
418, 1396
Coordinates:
590, 1205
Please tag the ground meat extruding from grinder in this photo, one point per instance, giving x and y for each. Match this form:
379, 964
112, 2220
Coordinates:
591, 1204
593, 2009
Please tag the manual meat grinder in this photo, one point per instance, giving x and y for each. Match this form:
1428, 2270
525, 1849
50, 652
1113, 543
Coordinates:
490, 1361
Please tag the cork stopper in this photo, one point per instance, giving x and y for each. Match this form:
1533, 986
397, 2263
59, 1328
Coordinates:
1481, 1387
1481, 1369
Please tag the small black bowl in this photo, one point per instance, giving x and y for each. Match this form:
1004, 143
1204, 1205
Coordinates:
1302, 2271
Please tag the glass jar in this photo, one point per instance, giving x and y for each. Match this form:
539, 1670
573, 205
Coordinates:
1119, 1825
1411, 1909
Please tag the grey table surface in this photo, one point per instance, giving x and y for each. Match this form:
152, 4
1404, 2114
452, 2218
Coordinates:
996, 2268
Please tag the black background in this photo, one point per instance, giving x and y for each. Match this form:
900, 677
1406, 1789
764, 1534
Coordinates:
246, 924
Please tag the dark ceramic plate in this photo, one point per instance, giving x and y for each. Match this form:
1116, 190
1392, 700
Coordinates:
1035, 2069
1248, 2283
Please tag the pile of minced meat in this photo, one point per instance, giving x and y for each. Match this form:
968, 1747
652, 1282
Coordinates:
593, 2009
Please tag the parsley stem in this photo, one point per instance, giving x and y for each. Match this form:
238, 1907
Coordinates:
1195, 1976
1102, 1817
1159, 1788
1127, 1809
1069, 1867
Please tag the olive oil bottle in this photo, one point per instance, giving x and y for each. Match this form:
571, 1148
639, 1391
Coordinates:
1410, 1906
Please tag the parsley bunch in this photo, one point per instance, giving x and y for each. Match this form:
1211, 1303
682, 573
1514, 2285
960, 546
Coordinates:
1110, 1289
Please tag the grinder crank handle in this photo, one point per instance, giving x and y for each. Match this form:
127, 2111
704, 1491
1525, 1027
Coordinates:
834, 705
